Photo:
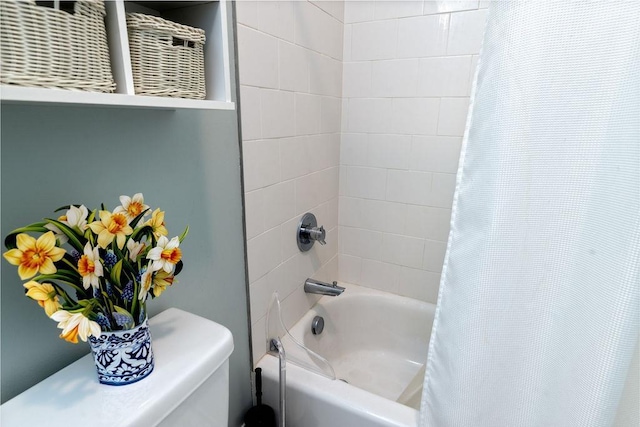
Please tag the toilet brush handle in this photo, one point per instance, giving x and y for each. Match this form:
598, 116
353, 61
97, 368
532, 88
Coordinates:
259, 385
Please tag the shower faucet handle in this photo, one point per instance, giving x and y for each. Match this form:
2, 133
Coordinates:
309, 232
318, 234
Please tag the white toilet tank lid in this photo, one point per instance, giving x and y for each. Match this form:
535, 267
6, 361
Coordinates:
187, 350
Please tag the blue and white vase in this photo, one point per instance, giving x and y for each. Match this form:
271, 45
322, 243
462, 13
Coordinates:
123, 357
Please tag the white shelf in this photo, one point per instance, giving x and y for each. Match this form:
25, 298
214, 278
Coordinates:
211, 16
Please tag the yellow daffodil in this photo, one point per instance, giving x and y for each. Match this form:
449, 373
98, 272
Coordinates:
131, 206
161, 280
146, 281
134, 249
157, 224
90, 267
111, 226
75, 325
166, 254
33, 256
45, 294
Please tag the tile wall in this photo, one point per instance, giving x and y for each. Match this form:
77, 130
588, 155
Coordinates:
290, 68
407, 73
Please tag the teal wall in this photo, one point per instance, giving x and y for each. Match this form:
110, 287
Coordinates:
186, 162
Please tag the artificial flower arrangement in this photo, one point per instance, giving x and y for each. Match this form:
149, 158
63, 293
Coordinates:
116, 261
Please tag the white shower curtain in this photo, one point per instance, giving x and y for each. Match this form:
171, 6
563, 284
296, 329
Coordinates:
537, 319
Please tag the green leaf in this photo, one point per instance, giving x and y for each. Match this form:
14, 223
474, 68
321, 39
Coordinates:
63, 208
74, 238
10, 240
178, 269
116, 271
184, 234
137, 219
146, 230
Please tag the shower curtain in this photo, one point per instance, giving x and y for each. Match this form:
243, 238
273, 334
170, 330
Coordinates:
537, 319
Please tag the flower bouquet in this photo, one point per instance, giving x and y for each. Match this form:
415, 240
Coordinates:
93, 272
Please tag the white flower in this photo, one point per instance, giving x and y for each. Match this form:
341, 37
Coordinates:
62, 238
90, 267
77, 217
134, 249
145, 283
165, 255
132, 206
74, 325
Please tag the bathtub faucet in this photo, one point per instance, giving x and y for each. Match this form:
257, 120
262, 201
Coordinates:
312, 286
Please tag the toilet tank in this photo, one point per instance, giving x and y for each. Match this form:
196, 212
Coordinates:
189, 385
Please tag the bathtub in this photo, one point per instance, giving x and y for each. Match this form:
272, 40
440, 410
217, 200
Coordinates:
376, 343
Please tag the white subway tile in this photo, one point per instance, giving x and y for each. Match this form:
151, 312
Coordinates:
466, 32
250, 112
276, 18
353, 149
419, 284
258, 58
402, 250
349, 211
279, 203
318, 149
374, 40
453, 116
445, 6
380, 275
358, 11
325, 75
434, 255
342, 183
258, 339
389, 151
408, 187
394, 78
277, 113
316, 30
261, 163
428, 222
415, 116
369, 115
368, 183
316, 188
385, 9
329, 211
349, 269
346, 44
294, 67
356, 80
344, 125
361, 243
444, 76
260, 293
435, 153
484, 4
288, 232
423, 36
442, 190
247, 13
307, 114
331, 114
253, 205
261, 256
294, 157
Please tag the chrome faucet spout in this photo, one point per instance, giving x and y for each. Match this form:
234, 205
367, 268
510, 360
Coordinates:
312, 286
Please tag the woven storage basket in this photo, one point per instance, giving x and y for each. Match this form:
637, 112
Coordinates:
45, 47
167, 58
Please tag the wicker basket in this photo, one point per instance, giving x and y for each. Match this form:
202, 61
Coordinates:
45, 47
167, 58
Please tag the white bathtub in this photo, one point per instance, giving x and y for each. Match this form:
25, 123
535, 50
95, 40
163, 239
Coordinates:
374, 340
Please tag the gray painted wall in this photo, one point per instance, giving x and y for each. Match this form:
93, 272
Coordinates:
186, 162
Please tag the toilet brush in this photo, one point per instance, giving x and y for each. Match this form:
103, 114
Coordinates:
260, 415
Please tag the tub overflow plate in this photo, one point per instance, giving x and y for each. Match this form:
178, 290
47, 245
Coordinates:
317, 325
